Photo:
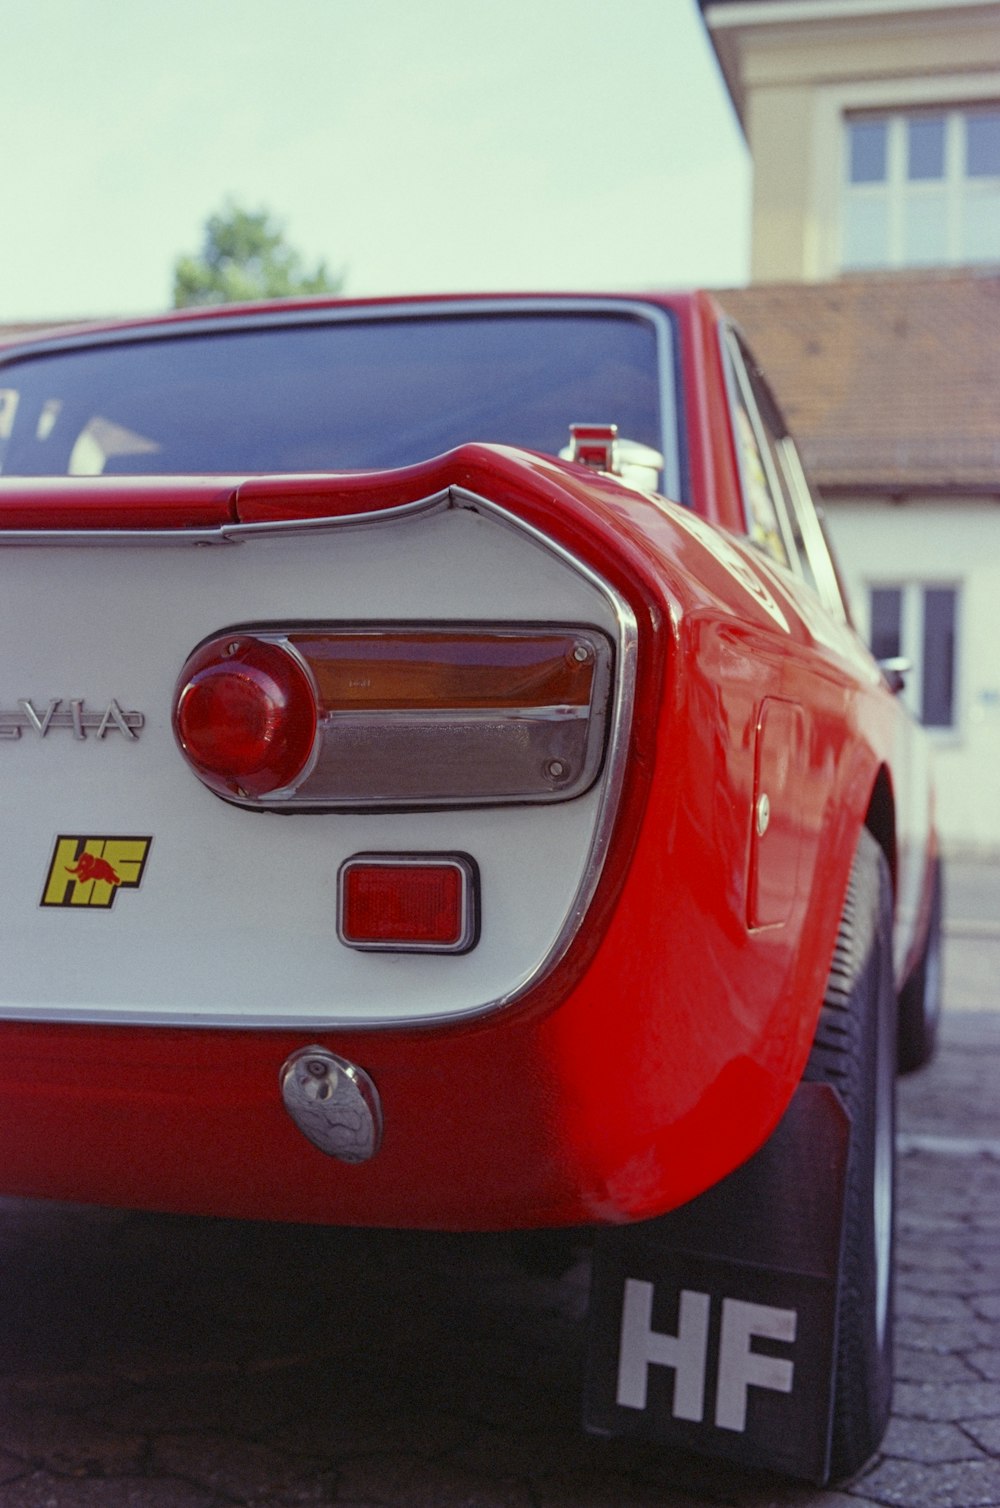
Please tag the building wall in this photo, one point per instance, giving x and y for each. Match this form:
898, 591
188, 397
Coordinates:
796, 79
942, 544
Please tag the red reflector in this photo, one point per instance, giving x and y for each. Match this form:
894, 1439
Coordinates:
408, 902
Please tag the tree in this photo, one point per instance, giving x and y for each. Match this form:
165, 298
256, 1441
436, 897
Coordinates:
245, 256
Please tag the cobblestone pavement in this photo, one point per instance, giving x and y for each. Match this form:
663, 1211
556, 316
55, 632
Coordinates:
153, 1362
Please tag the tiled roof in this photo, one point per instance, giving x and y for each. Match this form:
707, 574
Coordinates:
890, 382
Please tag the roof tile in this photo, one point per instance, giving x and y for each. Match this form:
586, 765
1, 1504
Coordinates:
890, 381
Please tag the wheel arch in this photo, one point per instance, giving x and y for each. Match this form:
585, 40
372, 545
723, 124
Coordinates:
880, 818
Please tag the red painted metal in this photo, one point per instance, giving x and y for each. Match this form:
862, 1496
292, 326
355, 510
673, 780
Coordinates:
116, 502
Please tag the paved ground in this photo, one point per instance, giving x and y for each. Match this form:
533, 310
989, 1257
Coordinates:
148, 1362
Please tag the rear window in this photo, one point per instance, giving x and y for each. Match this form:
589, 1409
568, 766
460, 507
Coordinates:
341, 395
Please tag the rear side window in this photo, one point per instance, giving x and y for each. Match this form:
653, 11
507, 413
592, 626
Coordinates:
340, 395
782, 519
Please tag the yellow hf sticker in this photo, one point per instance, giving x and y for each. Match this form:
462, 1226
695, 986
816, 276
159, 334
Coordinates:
89, 871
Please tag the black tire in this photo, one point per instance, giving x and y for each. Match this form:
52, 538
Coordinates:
855, 1051
920, 997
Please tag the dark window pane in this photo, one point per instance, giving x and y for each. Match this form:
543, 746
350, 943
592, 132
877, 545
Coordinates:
868, 150
925, 146
938, 709
336, 396
983, 144
887, 622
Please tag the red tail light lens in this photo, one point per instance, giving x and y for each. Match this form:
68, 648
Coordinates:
409, 902
245, 716
331, 717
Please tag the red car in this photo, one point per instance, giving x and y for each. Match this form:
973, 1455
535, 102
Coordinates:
445, 789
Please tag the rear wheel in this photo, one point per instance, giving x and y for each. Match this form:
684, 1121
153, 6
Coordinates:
855, 1051
920, 997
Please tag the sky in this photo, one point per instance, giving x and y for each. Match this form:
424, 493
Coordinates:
419, 145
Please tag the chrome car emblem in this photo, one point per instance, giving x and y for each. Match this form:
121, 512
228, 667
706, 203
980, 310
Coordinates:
73, 715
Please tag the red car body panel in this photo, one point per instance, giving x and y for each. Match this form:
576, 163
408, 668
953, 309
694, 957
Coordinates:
665, 1045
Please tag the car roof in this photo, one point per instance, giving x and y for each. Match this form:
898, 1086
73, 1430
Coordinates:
220, 315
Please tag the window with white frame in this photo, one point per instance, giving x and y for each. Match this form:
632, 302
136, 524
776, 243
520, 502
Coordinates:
921, 188
918, 621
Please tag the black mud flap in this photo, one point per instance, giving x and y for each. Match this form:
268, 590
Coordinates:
714, 1328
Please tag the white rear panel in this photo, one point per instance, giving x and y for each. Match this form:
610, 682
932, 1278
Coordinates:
234, 921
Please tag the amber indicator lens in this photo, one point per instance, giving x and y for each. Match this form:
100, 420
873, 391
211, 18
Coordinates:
245, 716
409, 903
448, 671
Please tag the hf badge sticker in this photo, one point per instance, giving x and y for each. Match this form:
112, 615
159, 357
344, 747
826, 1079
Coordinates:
90, 871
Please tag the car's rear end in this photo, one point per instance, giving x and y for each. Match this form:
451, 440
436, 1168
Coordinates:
378, 844
273, 784
464, 842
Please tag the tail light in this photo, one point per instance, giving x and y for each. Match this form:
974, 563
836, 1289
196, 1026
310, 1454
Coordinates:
323, 717
409, 902
245, 715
